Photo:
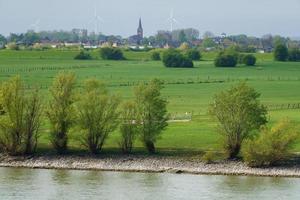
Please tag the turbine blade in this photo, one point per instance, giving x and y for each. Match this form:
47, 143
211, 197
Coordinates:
175, 20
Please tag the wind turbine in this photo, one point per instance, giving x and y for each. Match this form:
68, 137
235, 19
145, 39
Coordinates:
97, 20
172, 20
35, 26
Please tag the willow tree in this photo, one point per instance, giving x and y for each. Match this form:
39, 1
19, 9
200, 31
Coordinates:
239, 112
128, 126
97, 115
61, 110
151, 113
19, 118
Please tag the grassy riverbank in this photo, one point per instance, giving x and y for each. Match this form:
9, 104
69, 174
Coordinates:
187, 90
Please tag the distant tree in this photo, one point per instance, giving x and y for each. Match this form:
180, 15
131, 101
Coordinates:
108, 53
278, 40
249, 60
3, 41
98, 115
294, 55
184, 46
163, 38
12, 46
128, 127
208, 34
267, 42
155, 55
191, 34
208, 43
173, 58
30, 38
61, 110
281, 53
83, 55
151, 113
182, 37
238, 112
226, 59
193, 54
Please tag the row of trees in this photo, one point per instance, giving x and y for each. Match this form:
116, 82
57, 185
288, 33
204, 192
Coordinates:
95, 114
93, 111
283, 53
231, 58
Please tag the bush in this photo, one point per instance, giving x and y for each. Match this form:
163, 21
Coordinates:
128, 127
83, 55
294, 55
238, 112
226, 59
193, 54
12, 46
209, 157
281, 53
249, 60
270, 146
184, 46
109, 53
155, 55
173, 58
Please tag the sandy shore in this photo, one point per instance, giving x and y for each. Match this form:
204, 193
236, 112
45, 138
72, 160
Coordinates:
136, 163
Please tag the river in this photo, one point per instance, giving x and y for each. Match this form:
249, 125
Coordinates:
39, 184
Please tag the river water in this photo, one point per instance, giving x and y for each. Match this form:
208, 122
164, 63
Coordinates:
36, 184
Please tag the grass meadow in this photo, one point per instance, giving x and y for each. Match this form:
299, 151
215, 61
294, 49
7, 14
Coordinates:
187, 90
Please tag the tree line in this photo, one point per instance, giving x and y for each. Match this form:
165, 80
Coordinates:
95, 113
208, 41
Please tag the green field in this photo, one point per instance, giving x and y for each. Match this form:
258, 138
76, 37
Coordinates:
187, 90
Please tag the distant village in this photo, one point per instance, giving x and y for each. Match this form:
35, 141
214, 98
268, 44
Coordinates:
163, 39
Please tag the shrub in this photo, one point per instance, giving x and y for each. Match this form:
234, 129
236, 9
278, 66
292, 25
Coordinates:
109, 53
281, 53
12, 46
155, 55
226, 59
20, 118
209, 157
151, 113
128, 126
241, 58
193, 54
294, 55
83, 55
238, 112
173, 58
270, 146
249, 60
184, 46
61, 110
98, 115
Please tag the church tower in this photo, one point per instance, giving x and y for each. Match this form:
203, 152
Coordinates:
140, 31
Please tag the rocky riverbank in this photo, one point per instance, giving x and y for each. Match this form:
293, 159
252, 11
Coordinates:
141, 163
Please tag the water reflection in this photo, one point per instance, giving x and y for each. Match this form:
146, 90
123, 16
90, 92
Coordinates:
28, 184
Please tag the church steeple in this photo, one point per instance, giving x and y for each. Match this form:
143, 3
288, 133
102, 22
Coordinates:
140, 31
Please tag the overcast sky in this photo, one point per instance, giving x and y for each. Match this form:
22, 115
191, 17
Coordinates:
252, 17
